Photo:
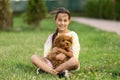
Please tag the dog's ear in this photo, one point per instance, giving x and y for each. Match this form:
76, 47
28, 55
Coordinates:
57, 39
56, 42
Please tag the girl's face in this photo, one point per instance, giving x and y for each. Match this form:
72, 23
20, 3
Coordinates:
62, 22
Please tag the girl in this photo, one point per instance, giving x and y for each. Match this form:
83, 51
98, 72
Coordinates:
62, 20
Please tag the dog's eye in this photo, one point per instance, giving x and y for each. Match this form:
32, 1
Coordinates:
63, 40
68, 40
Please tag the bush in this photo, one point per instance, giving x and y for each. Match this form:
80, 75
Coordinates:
117, 9
36, 11
106, 9
6, 18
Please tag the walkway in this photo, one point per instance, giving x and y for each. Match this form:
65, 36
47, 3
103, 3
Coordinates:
112, 26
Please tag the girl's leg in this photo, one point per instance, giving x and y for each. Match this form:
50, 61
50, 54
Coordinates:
42, 64
71, 64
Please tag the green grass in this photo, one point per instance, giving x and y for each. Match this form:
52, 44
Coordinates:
99, 55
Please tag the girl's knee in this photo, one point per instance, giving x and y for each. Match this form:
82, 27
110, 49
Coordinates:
75, 62
33, 58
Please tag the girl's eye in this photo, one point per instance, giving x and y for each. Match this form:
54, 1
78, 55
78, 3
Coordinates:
65, 20
59, 19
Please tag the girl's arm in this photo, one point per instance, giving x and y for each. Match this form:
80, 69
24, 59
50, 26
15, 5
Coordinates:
60, 50
69, 54
48, 45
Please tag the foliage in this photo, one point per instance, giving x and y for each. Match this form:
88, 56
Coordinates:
99, 55
6, 20
117, 9
36, 11
106, 9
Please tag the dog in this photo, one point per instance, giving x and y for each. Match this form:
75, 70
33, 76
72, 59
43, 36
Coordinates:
63, 42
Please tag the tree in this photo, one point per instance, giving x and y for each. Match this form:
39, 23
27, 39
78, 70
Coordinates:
6, 20
36, 11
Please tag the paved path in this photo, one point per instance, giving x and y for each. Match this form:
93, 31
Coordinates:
112, 26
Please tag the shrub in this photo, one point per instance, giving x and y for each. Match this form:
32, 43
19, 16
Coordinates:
117, 9
36, 11
107, 9
6, 19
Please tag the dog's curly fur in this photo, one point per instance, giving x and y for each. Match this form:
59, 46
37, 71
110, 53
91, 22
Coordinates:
63, 42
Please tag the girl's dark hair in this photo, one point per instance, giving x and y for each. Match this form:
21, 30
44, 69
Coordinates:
56, 12
62, 10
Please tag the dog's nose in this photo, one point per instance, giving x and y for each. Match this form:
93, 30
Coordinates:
67, 44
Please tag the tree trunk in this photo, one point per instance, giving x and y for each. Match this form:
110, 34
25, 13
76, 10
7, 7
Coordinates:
6, 19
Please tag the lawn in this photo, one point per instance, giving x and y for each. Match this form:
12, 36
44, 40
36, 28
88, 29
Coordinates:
99, 56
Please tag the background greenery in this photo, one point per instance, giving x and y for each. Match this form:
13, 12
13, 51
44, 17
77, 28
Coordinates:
99, 55
105, 9
37, 9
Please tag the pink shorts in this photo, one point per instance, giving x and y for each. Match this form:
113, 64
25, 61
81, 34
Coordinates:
48, 62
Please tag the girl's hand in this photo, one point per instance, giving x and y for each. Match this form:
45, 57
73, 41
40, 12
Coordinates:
55, 49
61, 56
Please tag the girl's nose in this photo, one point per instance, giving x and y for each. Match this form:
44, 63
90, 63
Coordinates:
62, 22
